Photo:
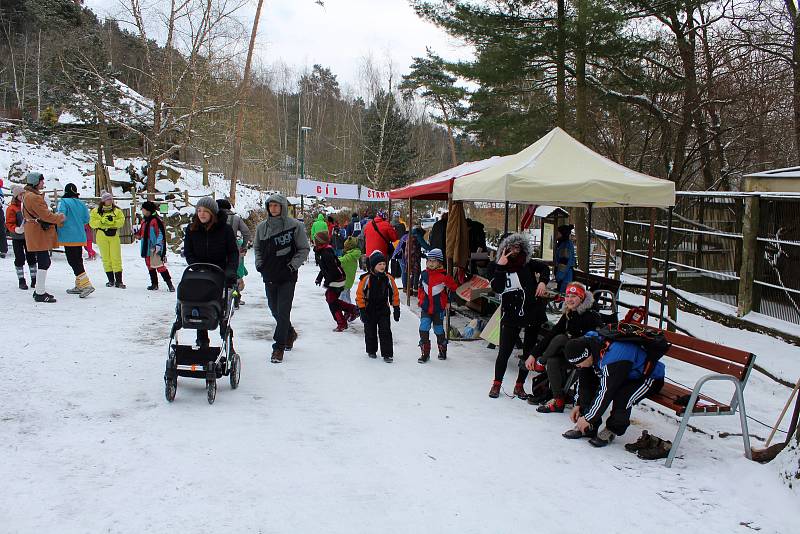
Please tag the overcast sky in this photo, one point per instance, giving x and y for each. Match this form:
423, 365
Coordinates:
301, 33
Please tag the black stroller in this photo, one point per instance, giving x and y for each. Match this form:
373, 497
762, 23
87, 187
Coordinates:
204, 303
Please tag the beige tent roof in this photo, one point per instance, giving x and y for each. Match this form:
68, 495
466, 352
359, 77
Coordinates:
559, 170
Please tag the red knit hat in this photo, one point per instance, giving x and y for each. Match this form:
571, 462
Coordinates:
576, 288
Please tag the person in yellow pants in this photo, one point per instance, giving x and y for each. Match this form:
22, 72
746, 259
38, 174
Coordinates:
108, 220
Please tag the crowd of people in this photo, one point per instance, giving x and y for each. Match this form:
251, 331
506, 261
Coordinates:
611, 374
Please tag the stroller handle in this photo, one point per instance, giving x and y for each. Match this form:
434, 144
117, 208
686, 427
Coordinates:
199, 267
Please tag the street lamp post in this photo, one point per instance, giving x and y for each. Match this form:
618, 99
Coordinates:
303, 131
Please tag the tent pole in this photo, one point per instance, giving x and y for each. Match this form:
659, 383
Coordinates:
449, 265
409, 244
505, 224
649, 264
516, 207
589, 240
666, 269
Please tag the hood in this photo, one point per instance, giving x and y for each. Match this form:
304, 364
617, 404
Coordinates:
584, 306
320, 218
280, 199
517, 239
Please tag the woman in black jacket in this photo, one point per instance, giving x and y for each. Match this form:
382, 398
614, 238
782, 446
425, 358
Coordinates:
578, 319
521, 282
209, 239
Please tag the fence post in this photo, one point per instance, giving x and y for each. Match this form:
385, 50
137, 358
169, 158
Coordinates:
672, 299
749, 255
618, 265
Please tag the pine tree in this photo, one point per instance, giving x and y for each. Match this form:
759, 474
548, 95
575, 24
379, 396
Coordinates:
387, 144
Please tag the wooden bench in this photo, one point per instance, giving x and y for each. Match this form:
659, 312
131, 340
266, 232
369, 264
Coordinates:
725, 364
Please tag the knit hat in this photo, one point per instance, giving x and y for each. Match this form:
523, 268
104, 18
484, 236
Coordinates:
33, 178
224, 204
71, 191
350, 243
578, 349
16, 189
209, 204
435, 254
396, 213
150, 206
375, 258
576, 288
105, 196
322, 238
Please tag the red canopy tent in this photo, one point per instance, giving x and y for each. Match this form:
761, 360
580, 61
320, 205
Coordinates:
439, 186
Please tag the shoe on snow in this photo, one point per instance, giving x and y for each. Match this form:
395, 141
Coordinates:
519, 392
23, 284
44, 297
153, 287
539, 398
556, 405
340, 328
74, 291
645, 441
388, 359
494, 392
111, 284
291, 339
658, 451
603, 438
574, 433
277, 356
86, 291
372, 355
423, 359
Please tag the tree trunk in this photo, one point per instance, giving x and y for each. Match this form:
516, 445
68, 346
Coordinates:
579, 214
561, 52
243, 93
792, 8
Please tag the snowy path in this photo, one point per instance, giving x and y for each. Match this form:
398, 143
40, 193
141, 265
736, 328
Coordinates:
328, 441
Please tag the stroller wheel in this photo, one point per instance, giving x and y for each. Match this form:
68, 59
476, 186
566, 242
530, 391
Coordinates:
236, 371
170, 388
211, 390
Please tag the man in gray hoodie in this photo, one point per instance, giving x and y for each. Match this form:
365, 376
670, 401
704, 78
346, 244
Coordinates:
281, 247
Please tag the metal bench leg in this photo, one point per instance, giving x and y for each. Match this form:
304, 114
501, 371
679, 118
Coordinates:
684, 423
743, 419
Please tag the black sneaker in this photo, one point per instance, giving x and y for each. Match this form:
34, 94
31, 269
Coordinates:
372, 355
388, 359
23, 284
44, 297
574, 433
603, 438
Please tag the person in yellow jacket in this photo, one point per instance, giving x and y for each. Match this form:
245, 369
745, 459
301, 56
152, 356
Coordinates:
108, 220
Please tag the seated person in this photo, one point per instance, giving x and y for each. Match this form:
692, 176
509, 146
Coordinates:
608, 375
577, 319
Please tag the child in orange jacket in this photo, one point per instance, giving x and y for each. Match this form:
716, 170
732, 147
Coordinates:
376, 292
433, 301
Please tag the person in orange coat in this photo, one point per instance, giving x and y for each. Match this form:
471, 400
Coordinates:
40, 231
375, 294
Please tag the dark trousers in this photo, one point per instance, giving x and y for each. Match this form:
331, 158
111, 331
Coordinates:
379, 330
21, 254
3, 242
279, 299
623, 399
75, 259
508, 339
556, 364
43, 259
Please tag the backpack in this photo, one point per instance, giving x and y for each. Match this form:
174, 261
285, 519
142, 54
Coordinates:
652, 342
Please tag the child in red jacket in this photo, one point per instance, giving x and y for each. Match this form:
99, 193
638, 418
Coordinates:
432, 296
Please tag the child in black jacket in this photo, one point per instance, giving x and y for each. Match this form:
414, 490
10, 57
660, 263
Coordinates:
330, 270
376, 292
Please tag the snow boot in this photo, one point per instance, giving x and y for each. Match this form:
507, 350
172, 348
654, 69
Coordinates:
645, 441
425, 346
23, 284
291, 339
603, 438
556, 405
277, 356
519, 391
441, 344
118, 280
153, 280
656, 452
495, 391
33, 282
110, 276
84, 285
341, 321
168, 280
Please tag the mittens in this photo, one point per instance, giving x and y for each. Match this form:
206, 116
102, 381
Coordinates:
396, 313
362, 312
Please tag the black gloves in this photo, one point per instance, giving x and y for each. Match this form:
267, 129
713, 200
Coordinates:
362, 312
318, 281
396, 313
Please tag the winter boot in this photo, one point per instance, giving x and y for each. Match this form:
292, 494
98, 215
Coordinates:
388, 359
341, 321
441, 344
519, 391
495, 391
118, 280
110, 276
656, 452
425, 346
645, 441
168, 280
22, 284
543, 396
33, 282
372, 355
603, 438
556, 405
291, 339
277, 356
153, 280
75, 290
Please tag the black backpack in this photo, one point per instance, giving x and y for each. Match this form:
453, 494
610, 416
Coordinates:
653, 342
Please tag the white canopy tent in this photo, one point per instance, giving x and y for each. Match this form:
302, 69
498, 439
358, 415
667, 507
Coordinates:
557, 169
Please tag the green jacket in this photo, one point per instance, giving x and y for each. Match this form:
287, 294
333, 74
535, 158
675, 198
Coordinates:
349, 261
320, 225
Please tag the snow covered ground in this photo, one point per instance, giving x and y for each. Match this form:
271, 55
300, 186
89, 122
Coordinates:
328, 441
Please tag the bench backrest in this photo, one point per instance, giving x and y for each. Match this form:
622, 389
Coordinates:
593, 282
712, 356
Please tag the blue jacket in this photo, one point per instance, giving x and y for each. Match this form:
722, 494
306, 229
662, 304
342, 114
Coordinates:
419, 238
72, 233
565, 262
629, 352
